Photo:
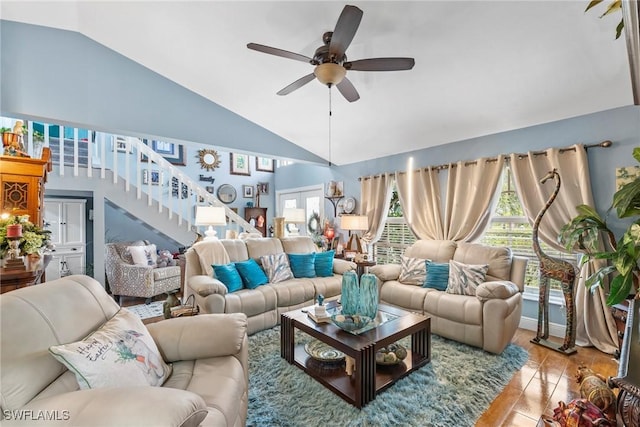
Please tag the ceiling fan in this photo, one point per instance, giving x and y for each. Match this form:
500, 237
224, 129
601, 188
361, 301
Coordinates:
330, 59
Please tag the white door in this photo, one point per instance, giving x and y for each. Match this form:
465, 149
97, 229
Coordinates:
311, 199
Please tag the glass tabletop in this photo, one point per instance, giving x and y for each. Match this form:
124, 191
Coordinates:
381, 318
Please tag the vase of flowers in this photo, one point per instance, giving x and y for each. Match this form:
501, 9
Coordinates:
33, 241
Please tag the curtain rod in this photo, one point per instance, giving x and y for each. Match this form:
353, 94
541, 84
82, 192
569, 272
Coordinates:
604, 144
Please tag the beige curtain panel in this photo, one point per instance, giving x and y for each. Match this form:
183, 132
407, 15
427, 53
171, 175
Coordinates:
419, 193
375, 194
470, 191
573, 166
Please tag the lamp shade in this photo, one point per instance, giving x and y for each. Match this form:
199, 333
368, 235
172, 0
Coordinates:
354, 222
210, 215
294, 215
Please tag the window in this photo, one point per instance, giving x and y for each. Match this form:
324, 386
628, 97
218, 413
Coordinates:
509, 227
396, 236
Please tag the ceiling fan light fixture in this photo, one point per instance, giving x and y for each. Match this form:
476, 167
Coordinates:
330, 73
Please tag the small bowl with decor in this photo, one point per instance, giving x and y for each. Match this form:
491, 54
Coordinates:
393, 354
350, 322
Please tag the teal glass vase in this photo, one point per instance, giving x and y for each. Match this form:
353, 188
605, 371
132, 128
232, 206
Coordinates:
368, 295
350, 293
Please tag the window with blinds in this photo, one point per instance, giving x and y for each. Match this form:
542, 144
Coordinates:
510, 227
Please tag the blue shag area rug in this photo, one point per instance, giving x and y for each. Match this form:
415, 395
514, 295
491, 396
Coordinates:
453, 390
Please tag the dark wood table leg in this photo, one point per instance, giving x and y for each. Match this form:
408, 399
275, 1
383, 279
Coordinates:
365, 376
287, 342
421, 345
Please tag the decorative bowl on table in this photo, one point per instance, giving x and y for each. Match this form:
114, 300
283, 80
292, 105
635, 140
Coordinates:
350, 322
392, 354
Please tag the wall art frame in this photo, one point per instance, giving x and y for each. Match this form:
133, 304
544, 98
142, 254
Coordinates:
239, 164
174, 153
247, 191
265, 164
155, 177
263, 188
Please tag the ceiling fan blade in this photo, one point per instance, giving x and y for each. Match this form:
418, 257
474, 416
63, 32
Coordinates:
297, 84
278, 52
347, 90
381, 64
345, 30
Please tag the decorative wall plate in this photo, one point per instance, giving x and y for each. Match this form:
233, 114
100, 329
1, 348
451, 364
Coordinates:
209, 159
349, 205
226, 193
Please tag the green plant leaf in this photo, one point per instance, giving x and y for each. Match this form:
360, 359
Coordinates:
593, 3
596, 278
626, 200
620, 289
636, 154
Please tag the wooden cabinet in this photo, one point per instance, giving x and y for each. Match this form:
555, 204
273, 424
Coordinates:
258, 218
22, 182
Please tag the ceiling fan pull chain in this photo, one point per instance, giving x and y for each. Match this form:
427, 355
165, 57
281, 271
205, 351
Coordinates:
330, 113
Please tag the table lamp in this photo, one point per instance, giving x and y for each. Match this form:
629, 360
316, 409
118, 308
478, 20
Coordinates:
294, 216
210, 215
354, 223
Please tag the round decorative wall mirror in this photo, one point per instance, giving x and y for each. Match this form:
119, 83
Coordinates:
226, 193
209, 159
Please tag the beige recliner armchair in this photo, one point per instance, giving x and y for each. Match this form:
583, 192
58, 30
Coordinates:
208, 354
142, 281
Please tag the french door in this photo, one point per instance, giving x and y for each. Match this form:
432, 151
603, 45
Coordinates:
311, 199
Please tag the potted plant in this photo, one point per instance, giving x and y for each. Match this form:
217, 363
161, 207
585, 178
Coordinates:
585, 230
33, 240
8, 137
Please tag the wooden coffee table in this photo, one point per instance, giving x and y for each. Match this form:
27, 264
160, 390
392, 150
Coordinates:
368, 379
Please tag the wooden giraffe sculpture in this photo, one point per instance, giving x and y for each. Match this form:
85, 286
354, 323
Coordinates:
554, 268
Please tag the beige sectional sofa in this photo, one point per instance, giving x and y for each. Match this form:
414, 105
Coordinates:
208, 355
488, 319
264, 304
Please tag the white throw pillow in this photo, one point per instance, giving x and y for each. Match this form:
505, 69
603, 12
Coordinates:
464, 278
413, 271
144, 255
120, 353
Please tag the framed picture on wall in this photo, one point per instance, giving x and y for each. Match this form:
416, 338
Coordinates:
121, 144
264, 164
240, 164
263, 188
153, 175
176, 154
247, 191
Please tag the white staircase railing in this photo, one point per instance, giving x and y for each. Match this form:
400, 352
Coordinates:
141, 169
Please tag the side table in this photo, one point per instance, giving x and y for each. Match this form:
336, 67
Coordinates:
361, 265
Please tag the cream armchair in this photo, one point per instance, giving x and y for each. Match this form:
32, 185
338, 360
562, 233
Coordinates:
208, 354
127, 279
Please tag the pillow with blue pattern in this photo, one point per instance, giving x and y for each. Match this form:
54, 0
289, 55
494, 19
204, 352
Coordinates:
251, 273
465, 278
228, 275
303, 265
277, 267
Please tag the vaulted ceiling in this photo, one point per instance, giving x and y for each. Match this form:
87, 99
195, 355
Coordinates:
481, 67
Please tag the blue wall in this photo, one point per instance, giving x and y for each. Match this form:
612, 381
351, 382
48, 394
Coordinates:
620, 125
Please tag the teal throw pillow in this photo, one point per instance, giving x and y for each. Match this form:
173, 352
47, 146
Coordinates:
303, 265
228, 275
437, 275
324, 263
251, 273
